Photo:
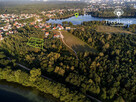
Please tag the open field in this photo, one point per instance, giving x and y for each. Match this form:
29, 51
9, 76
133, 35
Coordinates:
75, 43
109, 29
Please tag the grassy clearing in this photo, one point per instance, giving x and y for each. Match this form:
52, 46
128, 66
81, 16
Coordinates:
109, 29
75, 43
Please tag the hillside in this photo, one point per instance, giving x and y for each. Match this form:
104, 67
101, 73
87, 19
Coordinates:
110, 29
75, 43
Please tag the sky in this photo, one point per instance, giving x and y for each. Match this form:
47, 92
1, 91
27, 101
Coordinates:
39, 0
42, 0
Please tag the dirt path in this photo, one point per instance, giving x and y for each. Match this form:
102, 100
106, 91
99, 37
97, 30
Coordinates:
62, 37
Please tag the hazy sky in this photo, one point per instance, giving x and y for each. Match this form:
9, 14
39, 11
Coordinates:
43, 0
40, 0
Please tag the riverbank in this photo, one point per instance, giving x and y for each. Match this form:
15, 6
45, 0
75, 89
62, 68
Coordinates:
14, 92
57, 90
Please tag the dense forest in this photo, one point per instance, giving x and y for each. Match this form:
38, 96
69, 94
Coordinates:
115, 64
109, 74
51, 62
10, 71
19, 8
132, 28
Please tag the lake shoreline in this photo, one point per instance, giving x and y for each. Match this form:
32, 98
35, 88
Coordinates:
86, 18
61, 18
112, 17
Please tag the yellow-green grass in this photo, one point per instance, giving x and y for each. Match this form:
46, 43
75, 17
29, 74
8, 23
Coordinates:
110, 29
75, 43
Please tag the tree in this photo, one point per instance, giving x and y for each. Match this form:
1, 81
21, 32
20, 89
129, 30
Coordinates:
17, 75
103, 95
34, 74
112, 92
119, 99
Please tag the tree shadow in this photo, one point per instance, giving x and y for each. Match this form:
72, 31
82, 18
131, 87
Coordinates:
83, 48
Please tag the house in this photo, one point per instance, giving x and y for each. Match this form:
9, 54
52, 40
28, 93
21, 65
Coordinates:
48, 26
51, 11
49, 15
18, 26
43, 29
43, 12
22, 25
16, 23
5, 29
1, 27
32, 23
46, 34
11, 19
54, 28
10, 32
9, 27
39, 20
7, 33
36, 26
60, 27
68, 28
56, 36
1, 38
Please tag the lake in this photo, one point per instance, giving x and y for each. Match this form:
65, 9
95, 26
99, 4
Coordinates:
13, 92
82, 18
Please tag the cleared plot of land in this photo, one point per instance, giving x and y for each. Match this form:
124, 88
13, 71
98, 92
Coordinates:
35, 42
75, 43
109, 29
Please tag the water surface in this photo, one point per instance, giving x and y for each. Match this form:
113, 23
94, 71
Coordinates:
82, 18
13, 92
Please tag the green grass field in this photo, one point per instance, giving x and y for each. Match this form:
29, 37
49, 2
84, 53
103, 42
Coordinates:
110, 29
75, 43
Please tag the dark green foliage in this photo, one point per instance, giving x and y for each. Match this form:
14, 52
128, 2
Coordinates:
108, 75
21, 7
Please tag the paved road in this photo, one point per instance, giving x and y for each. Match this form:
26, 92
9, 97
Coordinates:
93, 98
30, 69
62, 37
23, 67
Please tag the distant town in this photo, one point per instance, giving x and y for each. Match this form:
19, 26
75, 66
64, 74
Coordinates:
73, 51
9, 23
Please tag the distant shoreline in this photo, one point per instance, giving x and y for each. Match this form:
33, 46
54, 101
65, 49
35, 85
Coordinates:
61, 18
112, 17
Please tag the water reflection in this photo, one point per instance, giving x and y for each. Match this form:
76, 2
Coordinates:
83, 18
12, 92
